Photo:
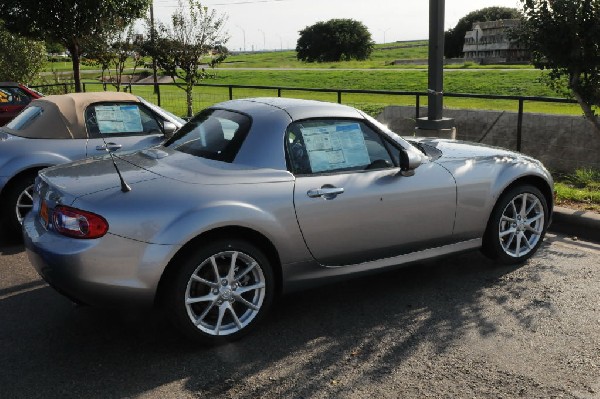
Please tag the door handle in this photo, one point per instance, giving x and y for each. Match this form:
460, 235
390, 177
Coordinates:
110, 147
327, 192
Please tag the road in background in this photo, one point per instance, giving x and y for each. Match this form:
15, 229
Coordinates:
460, 327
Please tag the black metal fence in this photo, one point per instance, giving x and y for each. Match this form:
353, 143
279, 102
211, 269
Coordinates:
55, 88
172, 98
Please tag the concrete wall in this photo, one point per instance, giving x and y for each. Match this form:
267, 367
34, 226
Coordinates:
562, 143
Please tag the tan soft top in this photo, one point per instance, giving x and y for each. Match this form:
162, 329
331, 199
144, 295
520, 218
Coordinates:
63, 115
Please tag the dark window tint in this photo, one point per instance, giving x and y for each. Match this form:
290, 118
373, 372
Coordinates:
213, 134
120, 119
328, 146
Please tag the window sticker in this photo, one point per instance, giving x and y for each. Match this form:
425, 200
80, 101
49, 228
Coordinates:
5, 96
118, 119
335, 147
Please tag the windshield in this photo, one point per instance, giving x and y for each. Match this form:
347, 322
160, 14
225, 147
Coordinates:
213, 134
162, 112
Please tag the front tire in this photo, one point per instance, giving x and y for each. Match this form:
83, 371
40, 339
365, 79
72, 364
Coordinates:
517, 225
220, 292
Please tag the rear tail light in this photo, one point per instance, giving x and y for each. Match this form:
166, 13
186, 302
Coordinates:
72, 222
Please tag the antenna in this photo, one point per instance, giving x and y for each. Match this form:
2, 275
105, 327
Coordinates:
110, 147
124, 186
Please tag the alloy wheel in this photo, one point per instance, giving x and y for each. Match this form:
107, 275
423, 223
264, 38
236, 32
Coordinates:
225, 293
24, 203
521, 225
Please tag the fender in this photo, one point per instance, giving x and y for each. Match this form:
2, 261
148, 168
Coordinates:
481, 181
22, 162
281, 229
186, 213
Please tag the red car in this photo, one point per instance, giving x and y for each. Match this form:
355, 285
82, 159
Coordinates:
13, 98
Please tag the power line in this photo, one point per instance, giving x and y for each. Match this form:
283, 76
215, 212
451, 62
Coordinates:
164, 4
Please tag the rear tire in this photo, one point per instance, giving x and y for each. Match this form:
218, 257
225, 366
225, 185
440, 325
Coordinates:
19, 202
220, 292
517, 225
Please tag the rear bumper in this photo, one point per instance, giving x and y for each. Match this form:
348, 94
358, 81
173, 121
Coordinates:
110, 271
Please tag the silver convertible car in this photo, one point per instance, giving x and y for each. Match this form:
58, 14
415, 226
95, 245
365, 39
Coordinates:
54, 130
257, 197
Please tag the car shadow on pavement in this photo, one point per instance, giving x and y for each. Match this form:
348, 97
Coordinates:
363, 328
9, 244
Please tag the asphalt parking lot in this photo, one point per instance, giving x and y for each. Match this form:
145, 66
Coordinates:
460, 327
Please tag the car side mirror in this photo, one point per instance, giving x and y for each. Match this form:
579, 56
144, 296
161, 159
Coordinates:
169, 128
409, 161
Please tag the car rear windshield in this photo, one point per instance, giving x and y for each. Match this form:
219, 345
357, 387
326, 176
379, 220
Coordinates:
24, 118
213, 134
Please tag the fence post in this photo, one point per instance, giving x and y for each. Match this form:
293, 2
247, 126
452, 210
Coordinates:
65, 89
230, 92
157, 86
520, 125
339, 97
84, 90
279, 92
418, 107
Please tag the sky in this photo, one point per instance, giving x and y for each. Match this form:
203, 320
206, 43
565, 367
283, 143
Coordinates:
274, 24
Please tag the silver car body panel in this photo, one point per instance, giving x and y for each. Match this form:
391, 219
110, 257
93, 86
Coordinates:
482, 174
382, 219
381, 213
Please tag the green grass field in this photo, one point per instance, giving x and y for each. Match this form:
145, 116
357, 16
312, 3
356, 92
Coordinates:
581, 187
382, 57
518, 82
281, 68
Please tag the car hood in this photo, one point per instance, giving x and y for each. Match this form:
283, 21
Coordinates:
93, 175
452, 150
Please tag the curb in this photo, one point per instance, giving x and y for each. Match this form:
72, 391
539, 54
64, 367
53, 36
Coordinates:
581, 224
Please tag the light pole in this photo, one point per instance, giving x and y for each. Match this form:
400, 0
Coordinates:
435, 92
244, 33
384, 32
264, 39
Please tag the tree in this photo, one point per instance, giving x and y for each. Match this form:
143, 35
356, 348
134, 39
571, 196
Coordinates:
179, 49
111, 53
564, 38
334, 40
219, 54
454, 39
20, 59
72, 23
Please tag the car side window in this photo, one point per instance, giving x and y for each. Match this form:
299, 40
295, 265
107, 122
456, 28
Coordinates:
13, 96
330, 146
212, 134
120, 119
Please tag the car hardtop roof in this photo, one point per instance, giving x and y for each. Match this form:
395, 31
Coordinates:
82, 100
296, 108
63, 115
10, 84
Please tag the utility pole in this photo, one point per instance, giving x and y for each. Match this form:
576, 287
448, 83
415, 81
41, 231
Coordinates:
435, 124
